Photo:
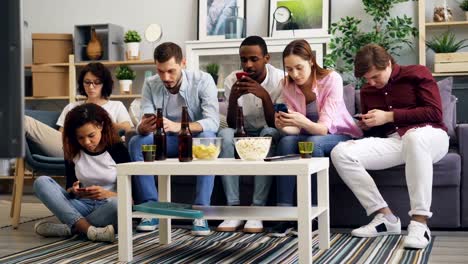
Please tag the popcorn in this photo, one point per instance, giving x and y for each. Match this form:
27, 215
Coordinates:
253, 148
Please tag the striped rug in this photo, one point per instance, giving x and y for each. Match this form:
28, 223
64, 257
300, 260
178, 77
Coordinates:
224, 248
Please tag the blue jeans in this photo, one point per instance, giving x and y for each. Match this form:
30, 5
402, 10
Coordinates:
69, 209
262, 183
323, 145
144, 187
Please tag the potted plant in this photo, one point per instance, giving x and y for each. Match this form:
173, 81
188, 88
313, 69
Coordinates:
446, 58
391, 32
213, 70
125, 75
132, 39
464, 7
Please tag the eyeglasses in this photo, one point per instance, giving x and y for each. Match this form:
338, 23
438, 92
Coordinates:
95, 83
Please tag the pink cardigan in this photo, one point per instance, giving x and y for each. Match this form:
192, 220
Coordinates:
331, 107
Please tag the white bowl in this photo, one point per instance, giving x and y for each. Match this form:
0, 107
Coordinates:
252, 148
206, 148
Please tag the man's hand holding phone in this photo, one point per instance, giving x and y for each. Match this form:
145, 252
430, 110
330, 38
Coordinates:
147, 124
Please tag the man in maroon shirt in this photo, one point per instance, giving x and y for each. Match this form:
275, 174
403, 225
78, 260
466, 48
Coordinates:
402, 121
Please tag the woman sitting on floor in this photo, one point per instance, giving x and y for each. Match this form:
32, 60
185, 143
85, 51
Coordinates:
88, 205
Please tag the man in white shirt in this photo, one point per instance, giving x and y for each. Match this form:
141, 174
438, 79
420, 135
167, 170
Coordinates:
256, 93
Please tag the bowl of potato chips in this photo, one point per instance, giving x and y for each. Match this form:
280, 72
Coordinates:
206, 148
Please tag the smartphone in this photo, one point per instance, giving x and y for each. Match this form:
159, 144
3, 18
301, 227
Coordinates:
81, 189
285, 157
148, 115
240, 74
358, 117
281, 108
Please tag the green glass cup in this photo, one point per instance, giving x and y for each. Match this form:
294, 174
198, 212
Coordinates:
305, 149
149, 152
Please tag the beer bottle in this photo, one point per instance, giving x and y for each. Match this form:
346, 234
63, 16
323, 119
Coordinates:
185, 138
240, 132
160, 136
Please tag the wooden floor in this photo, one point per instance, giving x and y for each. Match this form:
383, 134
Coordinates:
449, 246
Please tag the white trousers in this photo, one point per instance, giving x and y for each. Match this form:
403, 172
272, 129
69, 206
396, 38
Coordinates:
48, 138
419, 148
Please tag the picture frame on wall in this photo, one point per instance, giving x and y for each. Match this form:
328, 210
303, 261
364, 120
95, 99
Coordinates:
212, 15
298, 18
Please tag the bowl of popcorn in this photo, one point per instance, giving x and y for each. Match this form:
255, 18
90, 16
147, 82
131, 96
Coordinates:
252, 148
206, 148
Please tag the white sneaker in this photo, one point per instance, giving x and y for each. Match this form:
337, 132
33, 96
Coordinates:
418, 237
103, 234
229, 225
48, 229
379, 226
253, 226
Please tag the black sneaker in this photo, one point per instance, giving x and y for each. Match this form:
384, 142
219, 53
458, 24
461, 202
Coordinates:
283, 229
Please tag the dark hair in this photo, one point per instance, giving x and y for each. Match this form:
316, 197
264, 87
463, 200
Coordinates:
99, 70
166, 51
301, 48
80, 116
256, 41
371, 55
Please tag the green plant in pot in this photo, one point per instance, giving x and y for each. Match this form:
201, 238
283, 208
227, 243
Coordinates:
464, 7
132, 40
125, 75
446, 43
213, 70
391, 32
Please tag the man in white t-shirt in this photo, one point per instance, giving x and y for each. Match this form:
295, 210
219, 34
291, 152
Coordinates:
256, 93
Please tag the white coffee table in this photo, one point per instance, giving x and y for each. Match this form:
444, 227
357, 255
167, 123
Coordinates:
303, 213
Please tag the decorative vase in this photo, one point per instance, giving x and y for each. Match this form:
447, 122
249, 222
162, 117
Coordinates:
234, 27
133, 51
94, 48
125, 86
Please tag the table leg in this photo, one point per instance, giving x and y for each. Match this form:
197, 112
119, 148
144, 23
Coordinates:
304, 201
164, 186
124, 215
323, 202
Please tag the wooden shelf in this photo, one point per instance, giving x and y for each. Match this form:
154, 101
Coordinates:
435, 74
447, 24
117, 96
117, 63
47, 98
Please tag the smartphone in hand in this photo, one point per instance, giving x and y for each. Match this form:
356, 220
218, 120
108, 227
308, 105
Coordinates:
281, 108
240, 74
358, 117
148, 115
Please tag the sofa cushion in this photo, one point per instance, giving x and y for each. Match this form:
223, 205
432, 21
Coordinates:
448, 105
446, 173
349, 98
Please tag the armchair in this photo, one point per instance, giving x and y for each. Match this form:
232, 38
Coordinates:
36, 160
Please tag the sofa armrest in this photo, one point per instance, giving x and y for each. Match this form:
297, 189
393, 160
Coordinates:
50, 160
462, 135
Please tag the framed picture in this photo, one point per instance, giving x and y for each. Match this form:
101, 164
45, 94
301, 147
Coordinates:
298, 18
212, 16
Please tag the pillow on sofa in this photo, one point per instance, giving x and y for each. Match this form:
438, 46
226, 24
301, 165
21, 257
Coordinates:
448, 105
349, 99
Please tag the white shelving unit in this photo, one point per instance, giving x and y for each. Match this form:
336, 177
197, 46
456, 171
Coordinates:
196, 49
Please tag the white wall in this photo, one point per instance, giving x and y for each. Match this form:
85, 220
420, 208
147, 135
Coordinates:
178, 18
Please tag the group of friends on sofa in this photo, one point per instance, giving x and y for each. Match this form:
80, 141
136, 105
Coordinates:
400, 122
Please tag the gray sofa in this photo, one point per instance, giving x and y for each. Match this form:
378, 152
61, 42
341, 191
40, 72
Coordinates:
450, 185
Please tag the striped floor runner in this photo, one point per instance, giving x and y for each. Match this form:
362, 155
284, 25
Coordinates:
224, 248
